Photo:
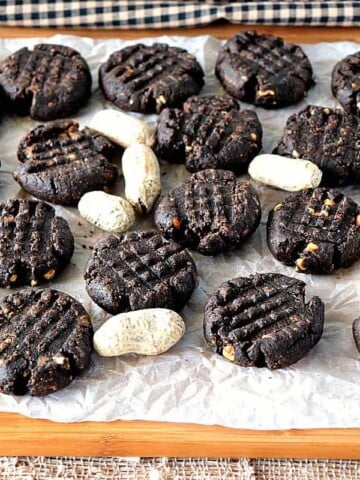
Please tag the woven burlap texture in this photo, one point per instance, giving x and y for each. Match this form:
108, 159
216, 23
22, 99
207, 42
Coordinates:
116, 468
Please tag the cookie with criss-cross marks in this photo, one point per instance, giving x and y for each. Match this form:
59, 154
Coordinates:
147, 79
59, 162
317, 231
209, 132
345, 83
35, 244
48, 82
328, 137
356, 333
264, 70
139, 270
45, 341
263, 321
211, 212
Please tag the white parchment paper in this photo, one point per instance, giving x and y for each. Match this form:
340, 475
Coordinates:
190, 383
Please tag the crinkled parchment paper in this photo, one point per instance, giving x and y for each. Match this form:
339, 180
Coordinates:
190, 383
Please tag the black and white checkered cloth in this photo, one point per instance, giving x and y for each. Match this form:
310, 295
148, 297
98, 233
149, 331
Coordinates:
173, 13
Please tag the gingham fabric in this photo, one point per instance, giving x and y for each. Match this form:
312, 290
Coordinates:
173, 13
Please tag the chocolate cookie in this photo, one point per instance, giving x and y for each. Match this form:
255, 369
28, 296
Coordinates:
328, 137
356, 333
35, 244
346, 83
147, 79
2, 102
139, 270
317, 230
45, 341
264, 70
263, 321
60, 162
212, 212
48, 82
209, 132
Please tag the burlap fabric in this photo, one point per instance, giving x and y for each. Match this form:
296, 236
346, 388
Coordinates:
116, 468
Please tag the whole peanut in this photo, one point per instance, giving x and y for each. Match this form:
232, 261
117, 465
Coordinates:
147, 332
142, 177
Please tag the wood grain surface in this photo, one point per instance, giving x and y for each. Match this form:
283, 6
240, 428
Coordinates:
25, 436
291, 34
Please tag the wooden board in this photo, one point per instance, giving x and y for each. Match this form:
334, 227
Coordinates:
25, 436
220, 30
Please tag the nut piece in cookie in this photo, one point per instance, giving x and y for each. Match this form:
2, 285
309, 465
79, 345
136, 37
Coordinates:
264, 70
45, 341
139, 270
59, 162
345, 83
35, 244
263, 321
328, 137
211, 212
316, 231
47, 83
147, 79
209, 132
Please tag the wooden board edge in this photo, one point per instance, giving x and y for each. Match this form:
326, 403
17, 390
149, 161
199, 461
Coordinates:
26, 436
300, 34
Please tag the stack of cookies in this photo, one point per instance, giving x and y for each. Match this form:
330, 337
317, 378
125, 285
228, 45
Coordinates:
146, 277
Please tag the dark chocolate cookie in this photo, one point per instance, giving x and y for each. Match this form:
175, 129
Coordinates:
328, 137
35, 244
48, 82
147, 79
45, 341
2, 102
263, 321
209, 132
356, 333
264, 70
317, 230
139, 270
346, 83
60, 162
212, 212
